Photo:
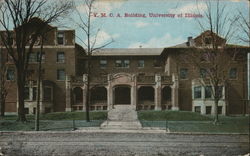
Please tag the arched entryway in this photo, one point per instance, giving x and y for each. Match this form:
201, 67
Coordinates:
98, 98
146, 98
166, 98
122, 95
77, 99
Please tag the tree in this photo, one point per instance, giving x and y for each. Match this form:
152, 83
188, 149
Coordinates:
86, 25
243, 24
20, 15
3, 84
211, 50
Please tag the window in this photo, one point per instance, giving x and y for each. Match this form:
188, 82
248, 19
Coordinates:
47, 91
208, 109
219, 110
220, 90
43, 57
157, 63
203, 72
126, 63
118, 63
208, 92
34, 93
26, 93
207, 40
60, 74
197, 92
141, 63
183, 73
60, 57
10, 74
197, 109
103, 63
60, 38
233, 73
34, 110
33, 57
122, 63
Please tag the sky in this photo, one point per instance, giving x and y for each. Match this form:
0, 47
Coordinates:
147, 31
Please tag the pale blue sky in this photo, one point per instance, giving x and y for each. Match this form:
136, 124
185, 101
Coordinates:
151, 32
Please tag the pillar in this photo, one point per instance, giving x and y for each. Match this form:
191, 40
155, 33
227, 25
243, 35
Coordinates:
68, 94
84, 91
109, 94
158, 92
84, 97
134, 92
175, 91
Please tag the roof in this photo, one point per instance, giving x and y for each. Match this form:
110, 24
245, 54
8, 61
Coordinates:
128, 52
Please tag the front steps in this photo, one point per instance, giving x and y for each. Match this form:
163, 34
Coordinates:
122, 117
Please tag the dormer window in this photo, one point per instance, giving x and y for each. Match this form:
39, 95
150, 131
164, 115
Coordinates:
60, 38
207, 40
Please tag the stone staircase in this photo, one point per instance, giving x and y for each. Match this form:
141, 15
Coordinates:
122, 117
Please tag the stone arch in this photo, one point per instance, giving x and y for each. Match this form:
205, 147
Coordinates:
122, 79
146, 98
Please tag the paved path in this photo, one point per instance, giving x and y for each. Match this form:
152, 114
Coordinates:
126, 144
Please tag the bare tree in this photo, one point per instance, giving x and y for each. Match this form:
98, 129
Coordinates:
3, 84
21, 15
211, 50
243, 23
86, 25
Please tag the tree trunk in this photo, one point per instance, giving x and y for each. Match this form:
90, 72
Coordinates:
216, 116
38, 88
2, 106
20, 90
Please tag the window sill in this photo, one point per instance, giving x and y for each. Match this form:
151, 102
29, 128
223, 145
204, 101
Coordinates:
60, 80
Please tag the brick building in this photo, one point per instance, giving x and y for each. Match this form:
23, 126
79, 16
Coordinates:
58, 58
144, 78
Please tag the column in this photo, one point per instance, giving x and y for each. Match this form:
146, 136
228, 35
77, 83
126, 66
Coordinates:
84, 97
175, 95
134, 92
109, 94
68, 94
158, 92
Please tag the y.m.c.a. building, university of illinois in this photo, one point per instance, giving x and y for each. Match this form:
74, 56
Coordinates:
145, 78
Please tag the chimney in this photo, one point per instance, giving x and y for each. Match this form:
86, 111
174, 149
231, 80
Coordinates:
190, 41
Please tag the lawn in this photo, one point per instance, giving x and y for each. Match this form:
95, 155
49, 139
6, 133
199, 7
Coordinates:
63, 116
61, 121
175, 121
182, 121
171, 115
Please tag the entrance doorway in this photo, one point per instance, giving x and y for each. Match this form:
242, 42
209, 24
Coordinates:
122, 95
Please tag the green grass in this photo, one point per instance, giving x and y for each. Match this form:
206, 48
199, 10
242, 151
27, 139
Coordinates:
171, 115
63, 116
47, 125
61, 121
182, 121
177, 121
